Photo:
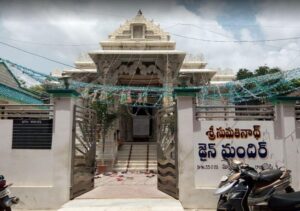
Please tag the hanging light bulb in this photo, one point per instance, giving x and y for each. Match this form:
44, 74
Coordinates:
110, 98
123, 98
103, 96
95, 95
145, 98
85, 93
129, 99
140, 97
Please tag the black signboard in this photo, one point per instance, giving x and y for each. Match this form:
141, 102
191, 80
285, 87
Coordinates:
32, 134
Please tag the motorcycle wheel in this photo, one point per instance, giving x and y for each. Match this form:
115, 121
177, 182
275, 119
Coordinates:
5, 209
221, 201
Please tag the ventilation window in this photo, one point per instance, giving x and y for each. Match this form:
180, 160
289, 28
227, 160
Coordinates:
32, 134
137, 31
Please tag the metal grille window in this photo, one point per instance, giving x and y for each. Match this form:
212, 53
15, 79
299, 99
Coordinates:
32, 124
297, 111
32, 134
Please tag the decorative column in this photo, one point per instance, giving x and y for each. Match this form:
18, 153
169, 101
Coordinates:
167, 100
64, 101
187, 126
286, 130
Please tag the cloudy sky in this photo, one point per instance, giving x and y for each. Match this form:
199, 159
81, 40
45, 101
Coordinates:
61, 30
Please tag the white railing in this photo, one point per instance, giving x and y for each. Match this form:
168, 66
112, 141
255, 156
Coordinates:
25, 111
236, 112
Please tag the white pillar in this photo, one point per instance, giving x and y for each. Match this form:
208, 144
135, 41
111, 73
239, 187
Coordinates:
286, 130
64, 101
298, 152
189, 196
185, 147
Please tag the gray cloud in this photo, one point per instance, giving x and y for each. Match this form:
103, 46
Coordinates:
88, 22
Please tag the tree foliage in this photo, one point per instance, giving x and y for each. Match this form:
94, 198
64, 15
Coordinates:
105, 115
40, 89
282, 86
243, 74
262, 70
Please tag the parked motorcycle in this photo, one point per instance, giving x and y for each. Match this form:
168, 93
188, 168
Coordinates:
246, 189
5, 200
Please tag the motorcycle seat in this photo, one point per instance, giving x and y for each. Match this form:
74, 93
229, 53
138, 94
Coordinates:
287, 201
269, 176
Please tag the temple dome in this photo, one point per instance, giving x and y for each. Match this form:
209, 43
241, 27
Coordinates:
138, 33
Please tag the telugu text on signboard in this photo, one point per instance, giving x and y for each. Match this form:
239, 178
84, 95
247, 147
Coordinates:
252, 141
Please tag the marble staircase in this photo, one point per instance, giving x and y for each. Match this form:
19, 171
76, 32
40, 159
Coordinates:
136, 157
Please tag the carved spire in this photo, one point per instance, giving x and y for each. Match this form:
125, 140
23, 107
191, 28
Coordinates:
153, 32
139, 13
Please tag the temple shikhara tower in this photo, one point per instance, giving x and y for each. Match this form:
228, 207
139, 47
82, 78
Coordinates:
140, 53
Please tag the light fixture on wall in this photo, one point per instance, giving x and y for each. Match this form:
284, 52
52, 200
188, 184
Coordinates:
65, 80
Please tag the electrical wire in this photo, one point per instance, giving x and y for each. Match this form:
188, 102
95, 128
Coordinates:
37, 55
237, 41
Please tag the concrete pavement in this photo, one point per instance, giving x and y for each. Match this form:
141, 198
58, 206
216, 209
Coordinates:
184, 210
125, 192
123, 205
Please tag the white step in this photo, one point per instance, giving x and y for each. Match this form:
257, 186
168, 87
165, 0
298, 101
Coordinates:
138, 158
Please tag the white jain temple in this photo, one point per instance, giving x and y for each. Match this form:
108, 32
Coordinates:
140, 53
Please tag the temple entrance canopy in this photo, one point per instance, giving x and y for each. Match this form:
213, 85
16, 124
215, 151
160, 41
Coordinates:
138, 67
139, 53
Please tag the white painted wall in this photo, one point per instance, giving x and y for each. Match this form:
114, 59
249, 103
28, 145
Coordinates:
41, 177
283, 144
291, 144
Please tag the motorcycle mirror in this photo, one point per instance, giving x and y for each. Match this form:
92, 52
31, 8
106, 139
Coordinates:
266, 166
237, 162
226, 160
279, 164
229, 162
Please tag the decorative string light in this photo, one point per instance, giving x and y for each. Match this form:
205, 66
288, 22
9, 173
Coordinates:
255, 88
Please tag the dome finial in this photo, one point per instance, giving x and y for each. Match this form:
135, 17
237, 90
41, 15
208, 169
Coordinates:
140, 12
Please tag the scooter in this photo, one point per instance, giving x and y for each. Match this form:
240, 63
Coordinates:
245, 189
5, 200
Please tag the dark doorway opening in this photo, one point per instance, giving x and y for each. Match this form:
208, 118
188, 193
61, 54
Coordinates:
142, 124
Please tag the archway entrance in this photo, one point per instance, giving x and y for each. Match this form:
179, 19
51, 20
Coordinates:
143, 124
138, 152
138, 126
132, 188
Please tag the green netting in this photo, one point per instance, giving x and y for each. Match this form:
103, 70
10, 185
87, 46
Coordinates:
255, 88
